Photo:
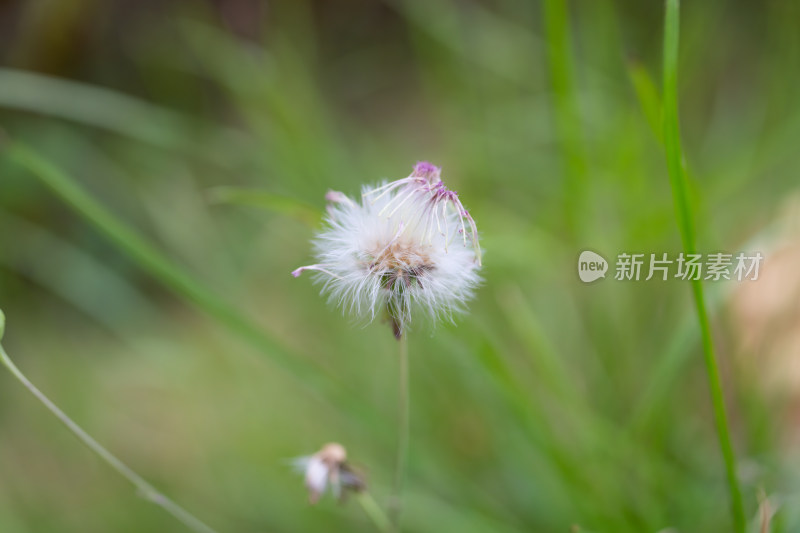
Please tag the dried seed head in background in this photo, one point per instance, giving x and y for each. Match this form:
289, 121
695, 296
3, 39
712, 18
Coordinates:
328, 467
407, 244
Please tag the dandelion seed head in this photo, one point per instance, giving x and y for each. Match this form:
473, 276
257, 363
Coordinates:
406, 245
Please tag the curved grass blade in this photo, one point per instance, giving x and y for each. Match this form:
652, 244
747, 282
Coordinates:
182, 284
683, 212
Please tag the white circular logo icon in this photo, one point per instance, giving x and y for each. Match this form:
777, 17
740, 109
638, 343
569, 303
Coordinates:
591, 266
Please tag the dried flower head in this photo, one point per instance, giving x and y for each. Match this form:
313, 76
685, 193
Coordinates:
328, 467
407, 244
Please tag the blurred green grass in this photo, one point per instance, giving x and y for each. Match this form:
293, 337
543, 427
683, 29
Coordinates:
551, 404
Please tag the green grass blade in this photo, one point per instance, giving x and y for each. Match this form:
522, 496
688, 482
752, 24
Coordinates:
683, 212
116, 112
560, 63
647, 94
161, 268
93, 106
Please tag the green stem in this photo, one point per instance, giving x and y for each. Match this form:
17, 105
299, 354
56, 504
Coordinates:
374, 512
402, 431
678, 182
145, 489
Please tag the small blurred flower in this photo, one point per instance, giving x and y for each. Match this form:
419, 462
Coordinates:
407, 244
329, 466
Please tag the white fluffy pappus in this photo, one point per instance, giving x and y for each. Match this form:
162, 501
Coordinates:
407, 245
328, 468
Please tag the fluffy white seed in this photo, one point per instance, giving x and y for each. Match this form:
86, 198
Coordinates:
406, 245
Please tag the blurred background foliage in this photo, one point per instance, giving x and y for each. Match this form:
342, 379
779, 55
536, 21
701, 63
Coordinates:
212, 130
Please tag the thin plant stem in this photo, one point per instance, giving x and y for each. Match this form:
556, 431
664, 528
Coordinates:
683, 210
145, 489
402, 430
375, 513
